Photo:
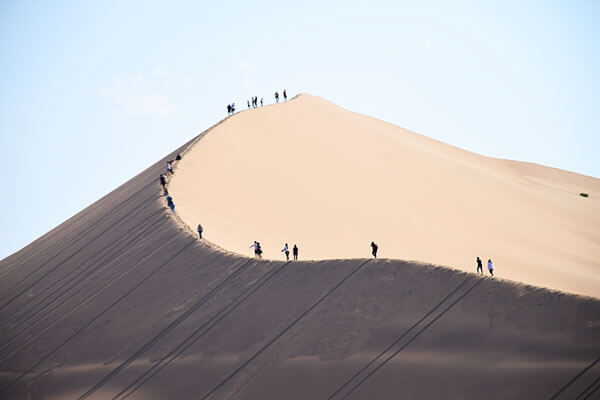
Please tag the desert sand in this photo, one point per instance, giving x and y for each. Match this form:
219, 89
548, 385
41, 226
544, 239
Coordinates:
310, 173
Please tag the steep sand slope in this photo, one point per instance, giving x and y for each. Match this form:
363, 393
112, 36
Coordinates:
312, 173
120, 300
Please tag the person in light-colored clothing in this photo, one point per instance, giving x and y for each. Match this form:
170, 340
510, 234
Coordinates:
286, 250
491, 267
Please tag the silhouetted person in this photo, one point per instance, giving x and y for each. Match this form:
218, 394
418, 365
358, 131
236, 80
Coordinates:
261, 101
374, 248
295, 252
491, 267
276, 97
479, 267
170, 203
248, 104
286, 250
178, 157
259, 250
200, 230
163, 180
228, 109
284, 95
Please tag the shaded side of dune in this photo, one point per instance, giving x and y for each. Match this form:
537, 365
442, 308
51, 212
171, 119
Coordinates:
120, 300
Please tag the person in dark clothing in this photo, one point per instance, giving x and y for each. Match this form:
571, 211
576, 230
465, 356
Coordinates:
228, 109
295, 252
284, 95
163, 180
261, 101
178, 157
276, 97
170, 203
374, 248
479, 266
200, 230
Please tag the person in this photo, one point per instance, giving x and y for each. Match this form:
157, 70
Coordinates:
170, 203
284, 95
259, 250
200, 230
276, 97
232, 108
491, 267
286, 250
228, 109
248, 101
261, 101
170, 167
479, 267
163, 180
178, 157
295, 252
374, 248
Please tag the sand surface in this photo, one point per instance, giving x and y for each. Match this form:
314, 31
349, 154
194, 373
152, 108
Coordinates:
310, 173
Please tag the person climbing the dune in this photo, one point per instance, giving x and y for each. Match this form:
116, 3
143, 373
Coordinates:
295, 252
163, 180
286, 250
276, 97
200, 230
261, 101
374, 249
284, 95
479, 266
259, 250
170, 203
491, 267
170, 167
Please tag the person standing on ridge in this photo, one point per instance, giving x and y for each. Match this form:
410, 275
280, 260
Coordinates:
261, 101
374, 248
295, 252
284, 95
491, 267
286, 250
276, 97
170, 203
200, 230
479, 266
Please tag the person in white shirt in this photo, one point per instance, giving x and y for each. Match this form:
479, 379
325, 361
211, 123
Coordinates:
286, 250
491, 267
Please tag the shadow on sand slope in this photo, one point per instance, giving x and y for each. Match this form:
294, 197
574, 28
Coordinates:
120, 301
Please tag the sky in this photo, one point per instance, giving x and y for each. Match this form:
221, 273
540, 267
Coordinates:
95, 92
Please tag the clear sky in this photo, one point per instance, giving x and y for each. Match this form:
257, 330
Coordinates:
93, 92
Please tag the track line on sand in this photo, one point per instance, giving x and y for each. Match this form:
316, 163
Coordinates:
172, 325
395, 342
589, 387
199, 333
151, 274
283, 332
87, 243
579, 375
415, 336
45, 300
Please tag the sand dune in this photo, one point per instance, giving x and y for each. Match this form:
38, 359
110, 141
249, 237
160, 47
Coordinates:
312, 173
121, 301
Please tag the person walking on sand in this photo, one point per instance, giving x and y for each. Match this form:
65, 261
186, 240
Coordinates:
491, 267
284, 95
286, 250
261, 101
163, 180
170, 167
479, 267
374, 248
170, 203
200, 230
276, 97
257, 249
295, 252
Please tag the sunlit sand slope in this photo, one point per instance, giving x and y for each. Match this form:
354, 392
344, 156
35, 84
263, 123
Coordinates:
308, 172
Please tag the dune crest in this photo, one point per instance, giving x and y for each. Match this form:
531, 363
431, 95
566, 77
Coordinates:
311, 173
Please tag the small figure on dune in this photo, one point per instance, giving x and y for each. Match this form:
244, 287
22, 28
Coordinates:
163, 180
200, 230
248, 104
228, 109
276, 97
232, 108
261, 101
284, 95
178, 157
479, 266
170, 167
170, 203
374, 249
257, 249
295, 252
286, 250
491, 267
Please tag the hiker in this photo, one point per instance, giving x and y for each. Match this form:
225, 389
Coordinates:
491, 267
170, 203
374, 248
258, 250
295, 252
248, 101
228, 109
163, 180
178, 157
286, 250
170, 167
284, 95
200, 230
276, 97
479, 267
232, 108
261, 101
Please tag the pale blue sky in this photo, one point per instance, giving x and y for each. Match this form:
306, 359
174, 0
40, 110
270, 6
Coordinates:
95, 92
